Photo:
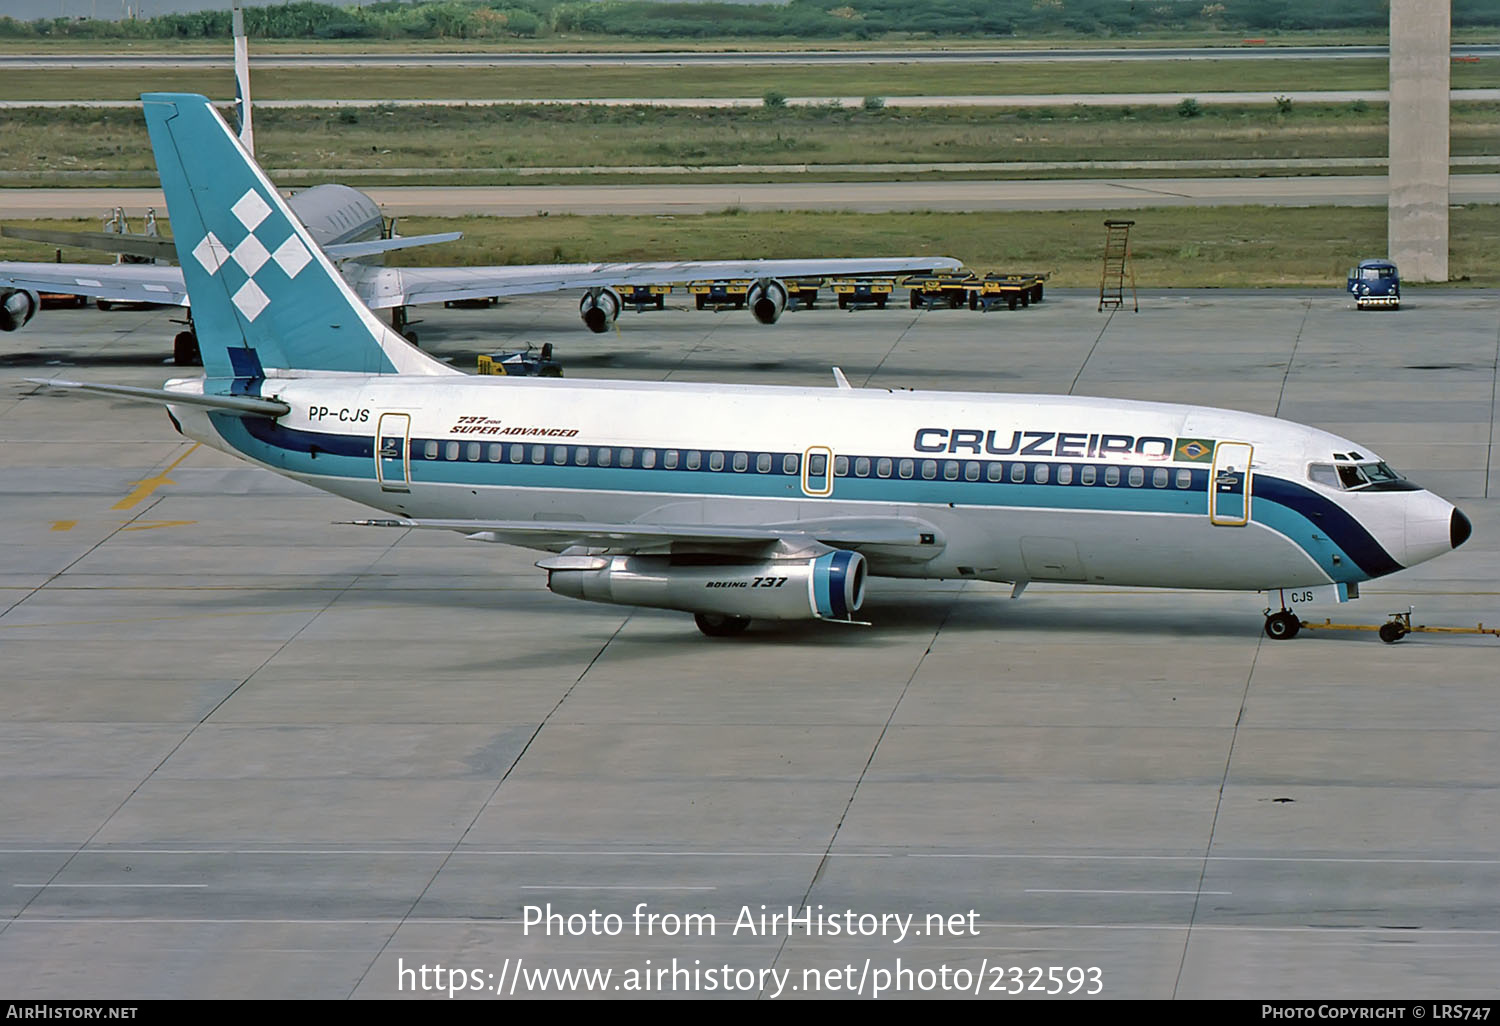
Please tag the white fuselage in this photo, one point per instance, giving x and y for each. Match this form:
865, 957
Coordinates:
1021, 488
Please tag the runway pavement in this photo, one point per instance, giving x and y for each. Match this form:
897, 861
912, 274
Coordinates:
1021, 194
1053, 100
746, 58
245, 752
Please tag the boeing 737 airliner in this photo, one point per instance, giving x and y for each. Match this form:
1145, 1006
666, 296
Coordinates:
736, 502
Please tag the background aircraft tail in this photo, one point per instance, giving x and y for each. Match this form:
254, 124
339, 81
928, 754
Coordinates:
242, 78
264, 296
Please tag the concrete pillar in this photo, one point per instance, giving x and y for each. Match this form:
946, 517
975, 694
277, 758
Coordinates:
1417, 215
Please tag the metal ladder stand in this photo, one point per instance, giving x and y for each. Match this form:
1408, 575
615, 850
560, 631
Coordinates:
1116, 266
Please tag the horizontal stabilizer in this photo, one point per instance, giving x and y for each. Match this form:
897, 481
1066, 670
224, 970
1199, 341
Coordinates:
153, 247
348, 250
244, 405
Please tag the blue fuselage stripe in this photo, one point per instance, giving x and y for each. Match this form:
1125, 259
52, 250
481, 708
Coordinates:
1322, 528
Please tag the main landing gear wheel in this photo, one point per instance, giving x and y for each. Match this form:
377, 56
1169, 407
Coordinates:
717, 625
1282, 626
1390, 633
185, 352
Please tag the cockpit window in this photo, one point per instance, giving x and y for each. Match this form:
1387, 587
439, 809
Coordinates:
1352, 476
1323, 474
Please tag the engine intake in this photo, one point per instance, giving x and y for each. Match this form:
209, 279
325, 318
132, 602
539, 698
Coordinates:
17, 306
826, 587
766, 299
599, 308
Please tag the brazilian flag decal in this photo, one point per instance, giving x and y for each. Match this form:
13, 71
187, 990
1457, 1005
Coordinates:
1194, 450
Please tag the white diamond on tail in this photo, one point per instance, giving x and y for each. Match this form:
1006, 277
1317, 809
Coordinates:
211, 253
250, 300
250, 209
250, 254
291, 256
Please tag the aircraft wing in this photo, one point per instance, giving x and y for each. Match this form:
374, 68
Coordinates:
126, 283
154, 247
383, 287
892, 535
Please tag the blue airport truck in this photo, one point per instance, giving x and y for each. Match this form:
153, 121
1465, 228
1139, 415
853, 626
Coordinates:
1375, 285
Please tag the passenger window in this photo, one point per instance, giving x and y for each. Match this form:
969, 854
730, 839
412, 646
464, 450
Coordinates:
1040, 473
841, 466
994, 471
716, 461
1137, 477
581, 456
517, 453
472, 451
763, 463
929, 469
627, 457
817, 465
862, 467
1088, 475
430, 450
883, 467
741, 463
906, 468
495, 452
1184, 478
450, 451
950, 470
1159, 477
560, 454
1111, 476
605, 456
1018, 472
648, 459
694, 459
789, 463
971, 471
669, 459
1065, 474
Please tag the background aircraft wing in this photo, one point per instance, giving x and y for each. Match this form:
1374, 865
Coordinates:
153, 247
906, 535
386, 287
129, 283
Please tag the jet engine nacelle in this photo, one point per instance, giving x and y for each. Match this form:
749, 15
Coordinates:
599, 308
17, 306
826, 587
766, 299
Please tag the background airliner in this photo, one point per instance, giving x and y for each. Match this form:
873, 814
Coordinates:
732, 502
348, 226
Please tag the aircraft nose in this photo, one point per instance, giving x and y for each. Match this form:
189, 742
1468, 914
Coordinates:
1433, 526
1459, 528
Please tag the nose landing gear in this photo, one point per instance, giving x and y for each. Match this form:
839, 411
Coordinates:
1282, 626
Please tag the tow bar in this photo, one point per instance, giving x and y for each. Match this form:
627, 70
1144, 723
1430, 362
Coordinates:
1399, 626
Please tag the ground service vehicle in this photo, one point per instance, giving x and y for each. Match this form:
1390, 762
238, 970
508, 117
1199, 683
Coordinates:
1375, 284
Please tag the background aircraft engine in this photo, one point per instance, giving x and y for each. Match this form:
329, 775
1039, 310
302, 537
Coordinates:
766, 299
826, 587
17, 307
599, 308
